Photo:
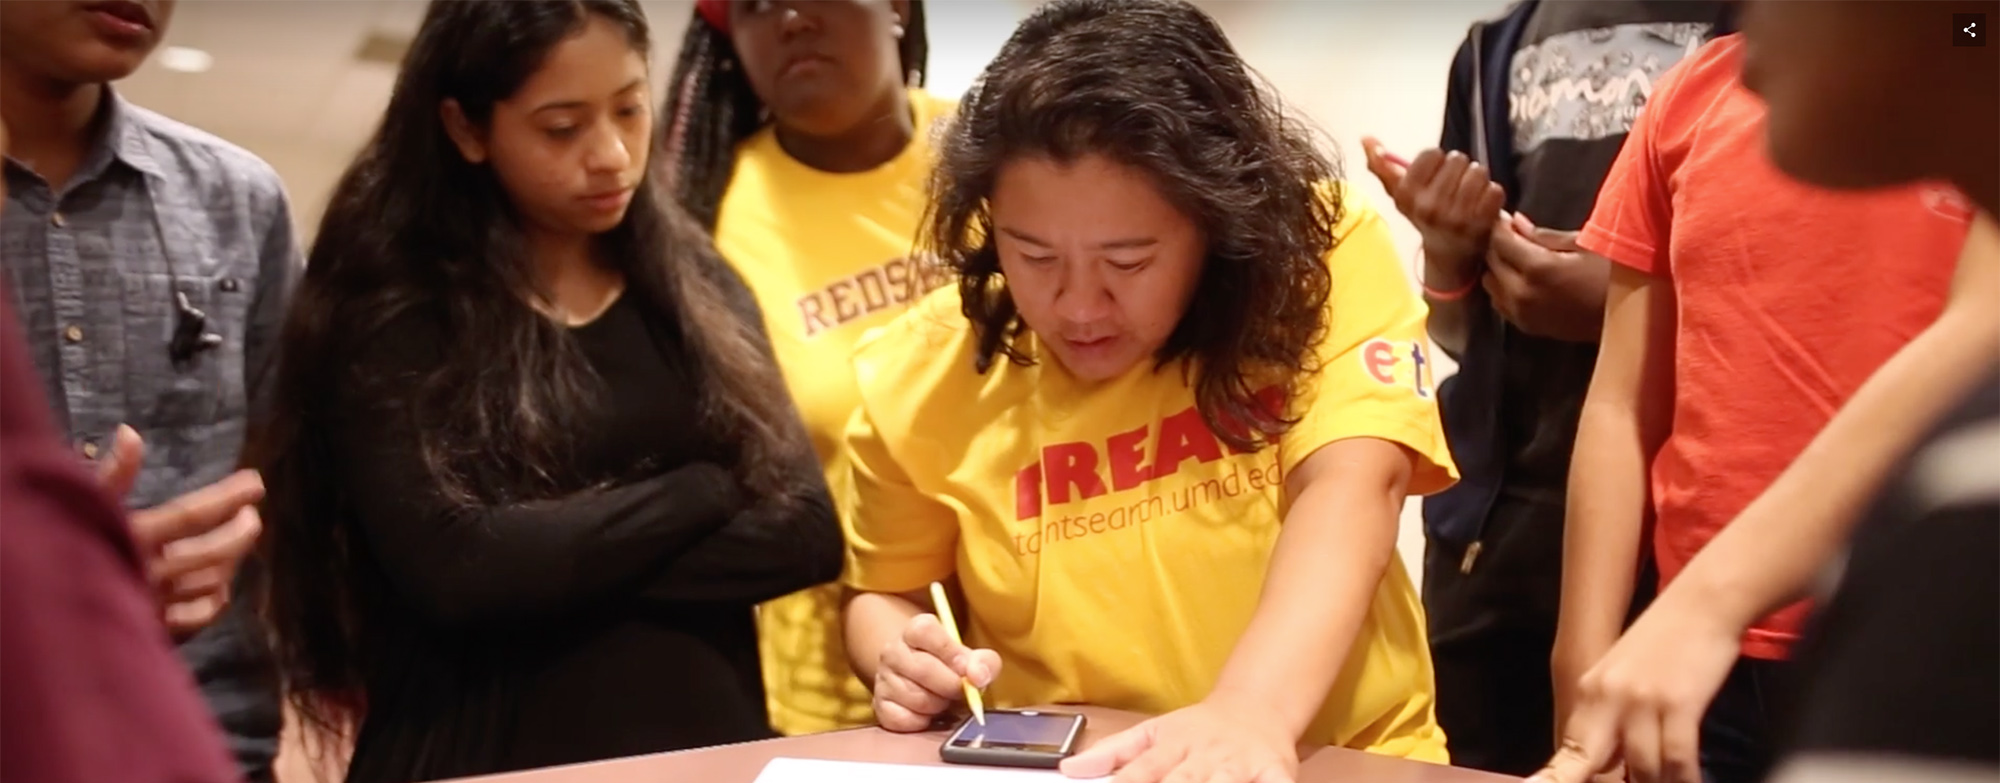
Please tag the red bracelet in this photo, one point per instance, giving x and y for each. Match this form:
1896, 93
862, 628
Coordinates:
1449, 296
1443, 296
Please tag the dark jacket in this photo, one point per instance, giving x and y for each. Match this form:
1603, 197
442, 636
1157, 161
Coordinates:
1476, 122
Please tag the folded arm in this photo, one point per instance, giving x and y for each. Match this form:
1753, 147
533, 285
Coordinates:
773, 547
516, 563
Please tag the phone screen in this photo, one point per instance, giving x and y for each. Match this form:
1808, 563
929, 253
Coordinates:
1031, 732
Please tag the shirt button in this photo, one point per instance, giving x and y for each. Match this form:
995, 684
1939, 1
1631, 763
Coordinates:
89, 450
58, 220
73, 334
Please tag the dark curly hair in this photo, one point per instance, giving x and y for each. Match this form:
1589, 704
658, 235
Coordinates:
1154, 84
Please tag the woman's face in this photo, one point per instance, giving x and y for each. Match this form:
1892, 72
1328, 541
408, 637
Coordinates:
571, 145
820, 65
1099, 263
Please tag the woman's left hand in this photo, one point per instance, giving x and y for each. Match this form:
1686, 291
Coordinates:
1205, 743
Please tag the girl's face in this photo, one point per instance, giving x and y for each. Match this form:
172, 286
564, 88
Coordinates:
571, 145
822, 66
1099, 263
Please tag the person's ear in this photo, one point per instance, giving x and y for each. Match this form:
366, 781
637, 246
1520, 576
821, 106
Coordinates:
462, 133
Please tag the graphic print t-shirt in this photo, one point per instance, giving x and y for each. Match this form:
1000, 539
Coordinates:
1110, 547
828, 256
1580, 76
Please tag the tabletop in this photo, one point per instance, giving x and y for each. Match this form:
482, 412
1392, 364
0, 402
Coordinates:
741, 763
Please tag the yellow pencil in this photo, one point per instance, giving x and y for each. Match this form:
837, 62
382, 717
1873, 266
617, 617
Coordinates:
943, 607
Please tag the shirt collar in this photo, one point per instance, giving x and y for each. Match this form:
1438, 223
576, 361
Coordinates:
125, 135
120, 136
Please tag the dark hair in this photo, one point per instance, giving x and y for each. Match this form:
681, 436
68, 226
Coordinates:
414, 229
1155, 85
711, 108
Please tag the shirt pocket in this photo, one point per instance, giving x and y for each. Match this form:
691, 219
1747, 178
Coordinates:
209, 386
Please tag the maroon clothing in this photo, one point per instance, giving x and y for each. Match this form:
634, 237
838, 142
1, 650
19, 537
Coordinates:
91, 689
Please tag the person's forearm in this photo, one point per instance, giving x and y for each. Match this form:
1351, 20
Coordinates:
777, 545
1447, 326
1448, 321
1603, 533
872, 622
1603, 530
1325, 568
1626, 416
1770, 553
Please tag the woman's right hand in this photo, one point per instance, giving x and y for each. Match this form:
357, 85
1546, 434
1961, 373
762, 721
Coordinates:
920, 675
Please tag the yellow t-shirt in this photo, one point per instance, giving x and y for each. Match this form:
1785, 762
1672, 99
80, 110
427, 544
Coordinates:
828, 256
1111, 549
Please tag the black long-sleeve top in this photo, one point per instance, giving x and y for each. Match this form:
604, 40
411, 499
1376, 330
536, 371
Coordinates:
611, 623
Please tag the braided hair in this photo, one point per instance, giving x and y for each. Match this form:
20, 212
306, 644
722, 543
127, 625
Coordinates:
711, 108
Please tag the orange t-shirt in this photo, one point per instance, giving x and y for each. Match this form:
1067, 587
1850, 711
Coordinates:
1788, 297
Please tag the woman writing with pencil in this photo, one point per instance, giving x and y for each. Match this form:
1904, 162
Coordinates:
1161, 429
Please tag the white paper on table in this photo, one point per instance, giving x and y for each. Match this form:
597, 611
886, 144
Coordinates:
816, 771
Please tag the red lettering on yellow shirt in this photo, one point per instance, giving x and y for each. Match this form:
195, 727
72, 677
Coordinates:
1383, 359
868, 292
1069, 472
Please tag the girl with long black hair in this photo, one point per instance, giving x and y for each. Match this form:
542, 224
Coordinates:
531, 464
799, 133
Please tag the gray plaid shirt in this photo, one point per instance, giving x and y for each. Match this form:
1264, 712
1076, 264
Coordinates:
159, 209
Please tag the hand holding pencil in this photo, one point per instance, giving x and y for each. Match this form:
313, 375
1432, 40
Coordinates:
928, 670
943, 605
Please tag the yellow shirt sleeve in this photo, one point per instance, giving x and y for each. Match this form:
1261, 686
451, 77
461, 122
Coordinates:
1375, 378
898, 538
